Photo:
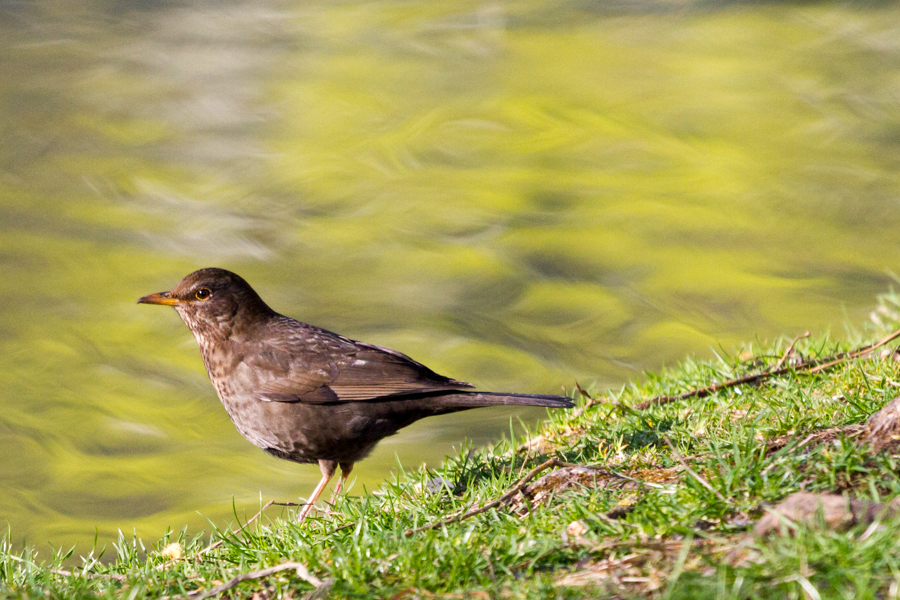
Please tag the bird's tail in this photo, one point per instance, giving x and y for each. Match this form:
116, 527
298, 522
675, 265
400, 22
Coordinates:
461, 400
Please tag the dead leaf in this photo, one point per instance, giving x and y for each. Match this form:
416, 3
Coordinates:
883, 428
838, 512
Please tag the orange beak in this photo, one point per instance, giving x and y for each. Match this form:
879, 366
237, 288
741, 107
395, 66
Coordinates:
160, 298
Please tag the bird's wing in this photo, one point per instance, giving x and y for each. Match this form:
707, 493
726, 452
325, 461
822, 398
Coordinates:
376, 371
317, 366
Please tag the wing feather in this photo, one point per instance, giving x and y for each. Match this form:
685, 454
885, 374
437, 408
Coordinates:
316, 366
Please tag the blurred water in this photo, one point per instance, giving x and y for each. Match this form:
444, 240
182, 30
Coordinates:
518, 194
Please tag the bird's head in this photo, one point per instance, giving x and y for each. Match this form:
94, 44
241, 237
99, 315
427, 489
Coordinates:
213, 302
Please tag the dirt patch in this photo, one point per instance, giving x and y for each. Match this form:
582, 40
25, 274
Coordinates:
838, 512
564, 479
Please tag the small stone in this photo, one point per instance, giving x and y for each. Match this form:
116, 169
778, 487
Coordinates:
439, 485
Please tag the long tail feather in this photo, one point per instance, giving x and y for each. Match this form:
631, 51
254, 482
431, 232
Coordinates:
463, 399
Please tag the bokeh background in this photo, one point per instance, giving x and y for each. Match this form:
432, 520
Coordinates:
518, 193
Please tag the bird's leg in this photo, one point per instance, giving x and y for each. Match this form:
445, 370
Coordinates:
327, 467
345, 472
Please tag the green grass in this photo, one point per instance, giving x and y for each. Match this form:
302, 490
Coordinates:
674, 534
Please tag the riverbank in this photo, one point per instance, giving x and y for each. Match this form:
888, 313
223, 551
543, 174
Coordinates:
637, 493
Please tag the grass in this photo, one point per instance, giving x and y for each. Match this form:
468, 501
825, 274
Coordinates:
670, 516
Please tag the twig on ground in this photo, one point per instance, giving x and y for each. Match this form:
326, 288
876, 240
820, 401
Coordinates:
855, 353
64, 573
582, 391
343, 527
790, 348
209, 548
553, 462
693, 473
302, 572
811, 366
817, 437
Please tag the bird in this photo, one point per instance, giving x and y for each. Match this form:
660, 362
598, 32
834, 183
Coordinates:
306, 394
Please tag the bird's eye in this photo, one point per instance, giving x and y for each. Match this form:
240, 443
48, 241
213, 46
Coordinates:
202, 294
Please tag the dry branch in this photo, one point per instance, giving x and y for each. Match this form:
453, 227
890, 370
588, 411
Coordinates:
302, 572
553, 462
790, 348
810, 366
64, 573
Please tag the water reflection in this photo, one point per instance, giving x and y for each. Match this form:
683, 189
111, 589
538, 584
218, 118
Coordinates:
514, 199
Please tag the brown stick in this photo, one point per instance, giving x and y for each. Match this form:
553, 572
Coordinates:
553, 462
856, 353
582, 391
790, 349
64, 573
812, 366
302, 572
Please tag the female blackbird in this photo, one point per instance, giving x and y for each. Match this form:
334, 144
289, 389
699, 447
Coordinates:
305, 394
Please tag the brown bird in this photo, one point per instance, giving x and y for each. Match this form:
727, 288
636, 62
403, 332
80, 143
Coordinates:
305, 394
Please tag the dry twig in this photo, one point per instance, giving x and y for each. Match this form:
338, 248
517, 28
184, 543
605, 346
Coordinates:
553, 462
582, 391
790, 348
811, 366
64, 573
302, 572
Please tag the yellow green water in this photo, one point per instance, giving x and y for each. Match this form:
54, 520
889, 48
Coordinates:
518, 194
